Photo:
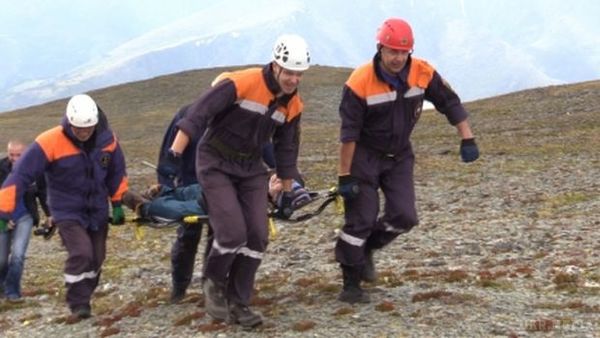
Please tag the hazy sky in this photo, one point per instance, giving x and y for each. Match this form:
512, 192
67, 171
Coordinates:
66, 33
42, 38
44, 44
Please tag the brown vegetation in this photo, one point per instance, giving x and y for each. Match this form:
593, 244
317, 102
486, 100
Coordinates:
507, 246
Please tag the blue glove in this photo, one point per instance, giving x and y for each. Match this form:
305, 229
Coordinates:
348, 186
118, 215
3, 225
468, 150
285, 209
169, 167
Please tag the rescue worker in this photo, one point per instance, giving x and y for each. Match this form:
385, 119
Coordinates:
182, 175
84, 167
244, 111
179, 183
381, 103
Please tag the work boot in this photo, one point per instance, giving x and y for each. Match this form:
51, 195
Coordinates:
177, 295
368, 273
214, 300
241, 314
82, 311
352, 292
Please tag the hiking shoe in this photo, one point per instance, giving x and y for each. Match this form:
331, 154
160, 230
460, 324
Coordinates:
15, 299
241, 314
214, 300
368, 273
82, 311
177, 295
354, 295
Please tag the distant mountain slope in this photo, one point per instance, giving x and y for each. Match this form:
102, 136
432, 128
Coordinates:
474, 45
507, 246
534, 120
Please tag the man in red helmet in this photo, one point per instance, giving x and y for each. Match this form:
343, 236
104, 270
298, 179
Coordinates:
381, 103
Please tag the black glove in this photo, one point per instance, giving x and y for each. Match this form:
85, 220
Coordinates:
169, 166
348, 186
285, 209
468, 150
47, 229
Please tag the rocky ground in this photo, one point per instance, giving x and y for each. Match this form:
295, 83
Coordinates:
507, 247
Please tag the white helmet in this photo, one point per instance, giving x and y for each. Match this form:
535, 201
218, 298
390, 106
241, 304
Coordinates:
82, 111
291, 52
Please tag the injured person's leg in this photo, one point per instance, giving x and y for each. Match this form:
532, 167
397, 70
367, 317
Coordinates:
165, 205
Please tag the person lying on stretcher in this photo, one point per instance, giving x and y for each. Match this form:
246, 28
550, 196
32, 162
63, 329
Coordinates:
162, 204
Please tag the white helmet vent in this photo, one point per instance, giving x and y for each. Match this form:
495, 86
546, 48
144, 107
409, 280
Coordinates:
291, 52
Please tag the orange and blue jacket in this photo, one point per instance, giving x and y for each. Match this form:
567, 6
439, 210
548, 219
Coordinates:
242, 111
380, 113
81, 178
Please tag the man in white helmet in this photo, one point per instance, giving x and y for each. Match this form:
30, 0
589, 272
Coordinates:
84, 168
244, 110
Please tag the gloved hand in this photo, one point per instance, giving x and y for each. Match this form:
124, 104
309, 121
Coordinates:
118, 215
348, 186
169, 166
285, 209
3, 225
469, 151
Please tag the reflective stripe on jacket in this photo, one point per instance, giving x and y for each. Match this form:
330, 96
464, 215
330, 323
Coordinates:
382, 117
79, 182
243, 112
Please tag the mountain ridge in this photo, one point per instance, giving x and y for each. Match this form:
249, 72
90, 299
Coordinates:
473, 46
505, 246
151, 104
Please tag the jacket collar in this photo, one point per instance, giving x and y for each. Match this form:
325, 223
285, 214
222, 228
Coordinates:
395, 81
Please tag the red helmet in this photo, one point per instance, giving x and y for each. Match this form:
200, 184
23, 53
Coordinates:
397, 34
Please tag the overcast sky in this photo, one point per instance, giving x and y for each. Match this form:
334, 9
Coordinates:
44, 39
40, 38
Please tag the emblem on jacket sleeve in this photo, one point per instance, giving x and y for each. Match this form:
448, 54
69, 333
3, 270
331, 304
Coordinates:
418, 111
105, 160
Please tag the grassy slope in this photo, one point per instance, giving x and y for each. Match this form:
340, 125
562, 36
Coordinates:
546, 121
531, 130
520, 134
